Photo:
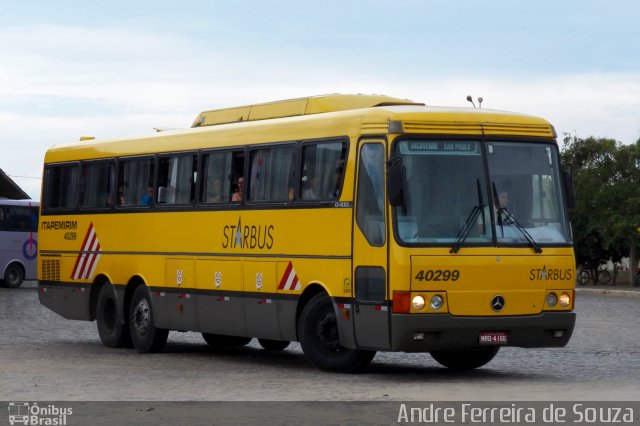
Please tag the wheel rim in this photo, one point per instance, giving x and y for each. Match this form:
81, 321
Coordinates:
13, 276
142, 317
327, 331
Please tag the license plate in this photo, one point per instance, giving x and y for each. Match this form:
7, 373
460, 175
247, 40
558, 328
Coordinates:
493, 338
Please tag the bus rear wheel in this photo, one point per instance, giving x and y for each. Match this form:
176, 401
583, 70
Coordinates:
13, 275
318, 334
222, 341
466, 360
146, 337
273, 345
113, 333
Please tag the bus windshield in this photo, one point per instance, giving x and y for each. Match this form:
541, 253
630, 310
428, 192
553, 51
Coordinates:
450, 197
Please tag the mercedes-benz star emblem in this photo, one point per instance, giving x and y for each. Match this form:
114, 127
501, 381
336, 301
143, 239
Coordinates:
497, 303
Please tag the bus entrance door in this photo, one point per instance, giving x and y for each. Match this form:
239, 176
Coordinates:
371, 310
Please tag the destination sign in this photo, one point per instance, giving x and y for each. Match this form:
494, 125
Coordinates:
440, 147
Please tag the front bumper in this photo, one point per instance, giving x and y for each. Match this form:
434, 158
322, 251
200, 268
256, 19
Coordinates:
446, 332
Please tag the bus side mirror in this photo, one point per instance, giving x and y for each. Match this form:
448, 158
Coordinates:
567, 182
395, 182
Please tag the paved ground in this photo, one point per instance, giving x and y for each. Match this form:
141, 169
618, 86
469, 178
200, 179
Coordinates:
45, 357
616, 291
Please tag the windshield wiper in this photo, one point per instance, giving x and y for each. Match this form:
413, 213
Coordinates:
504, 214
464, 232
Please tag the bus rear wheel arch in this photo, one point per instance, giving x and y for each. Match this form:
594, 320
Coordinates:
14, 275
467, 359
320, 341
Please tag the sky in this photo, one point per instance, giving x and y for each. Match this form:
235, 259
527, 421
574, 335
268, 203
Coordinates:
121, 68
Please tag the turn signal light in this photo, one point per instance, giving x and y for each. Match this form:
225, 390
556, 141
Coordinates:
401, 302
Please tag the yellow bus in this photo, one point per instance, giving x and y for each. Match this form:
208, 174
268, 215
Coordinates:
349, 223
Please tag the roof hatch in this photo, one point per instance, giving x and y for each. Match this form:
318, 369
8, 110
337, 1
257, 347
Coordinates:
295, 107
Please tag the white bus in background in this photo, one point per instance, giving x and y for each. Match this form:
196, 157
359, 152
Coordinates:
18, 241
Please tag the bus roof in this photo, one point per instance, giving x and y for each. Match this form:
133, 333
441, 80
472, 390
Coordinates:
323, 117
19, 203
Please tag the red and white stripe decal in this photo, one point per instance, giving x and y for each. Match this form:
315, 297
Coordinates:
289, 280
89, 256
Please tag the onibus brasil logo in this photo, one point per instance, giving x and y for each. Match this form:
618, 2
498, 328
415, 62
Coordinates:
27, 413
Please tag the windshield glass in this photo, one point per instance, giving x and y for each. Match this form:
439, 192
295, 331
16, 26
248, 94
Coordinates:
448, 200
445, 181
525, 180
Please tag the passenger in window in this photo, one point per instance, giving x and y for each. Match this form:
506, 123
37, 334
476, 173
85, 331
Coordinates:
309, 193
238, 195
147, 198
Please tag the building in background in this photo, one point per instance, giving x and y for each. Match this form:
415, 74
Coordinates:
9, 189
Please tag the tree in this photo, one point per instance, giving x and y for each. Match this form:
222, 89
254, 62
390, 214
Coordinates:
606, 177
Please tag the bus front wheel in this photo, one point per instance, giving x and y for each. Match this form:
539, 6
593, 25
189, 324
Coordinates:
466, 360
112, 332
318, 334
13, 275
146, 337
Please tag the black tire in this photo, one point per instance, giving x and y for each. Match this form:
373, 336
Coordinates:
318, 334
604, 277
13, 275
584, 277
146, 337
222, 341
273, 345
636, 280
112, 332
466, 360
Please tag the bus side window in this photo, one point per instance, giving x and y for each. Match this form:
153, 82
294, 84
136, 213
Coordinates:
321, 175
135, 175
370, 201
18, 219
216, 177
97, 184
178, 174
271, 175
60, 189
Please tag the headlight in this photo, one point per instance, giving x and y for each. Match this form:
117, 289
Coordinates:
436, 302
418, 302
552, 300
565, 300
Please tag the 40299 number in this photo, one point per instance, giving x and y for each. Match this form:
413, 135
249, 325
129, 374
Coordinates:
438, 275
